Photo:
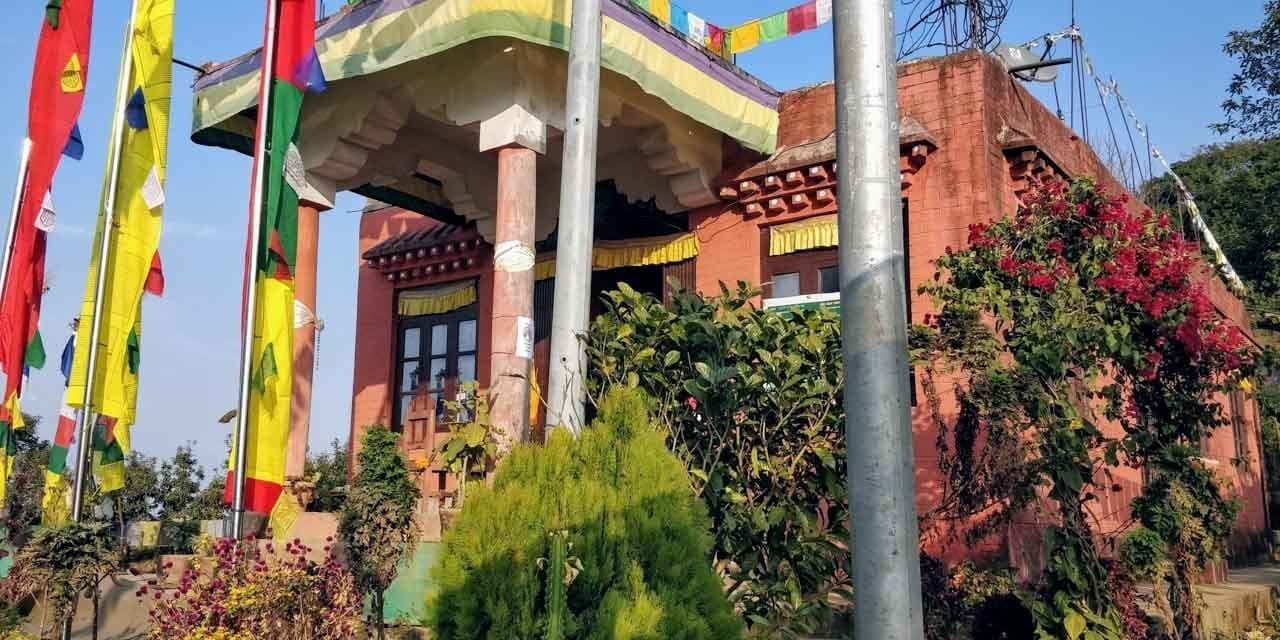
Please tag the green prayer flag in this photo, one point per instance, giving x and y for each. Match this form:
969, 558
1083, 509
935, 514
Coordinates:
774, 27
35, 355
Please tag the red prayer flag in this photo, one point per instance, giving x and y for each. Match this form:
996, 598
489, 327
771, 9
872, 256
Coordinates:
57, 95
155, 277
802, 18
716, 36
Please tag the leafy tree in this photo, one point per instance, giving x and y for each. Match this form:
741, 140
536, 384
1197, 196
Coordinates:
208, 503
330, 472
140, 498
751, 402
595, 537
377, 520
181, 479
1252, 106
59, 564
26, 479
1237, 187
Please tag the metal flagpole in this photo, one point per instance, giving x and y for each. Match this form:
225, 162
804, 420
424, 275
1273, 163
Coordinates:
877, 398
256, 201
16, 211
576, 229
85, 428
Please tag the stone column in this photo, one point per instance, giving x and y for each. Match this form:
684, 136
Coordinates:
304, 338
518, 137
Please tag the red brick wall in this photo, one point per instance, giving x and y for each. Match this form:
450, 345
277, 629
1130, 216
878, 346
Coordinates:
973, 111
375, 325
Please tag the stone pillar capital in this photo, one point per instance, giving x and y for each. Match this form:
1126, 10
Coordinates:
514, 127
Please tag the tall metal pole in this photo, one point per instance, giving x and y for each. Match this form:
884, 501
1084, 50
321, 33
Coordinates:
566, 395
85, 428
249, 324
877, 398
16, 211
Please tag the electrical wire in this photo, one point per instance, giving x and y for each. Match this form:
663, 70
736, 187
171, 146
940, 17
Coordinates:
951, 24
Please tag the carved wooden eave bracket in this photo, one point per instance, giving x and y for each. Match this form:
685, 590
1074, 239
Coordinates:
1028, 162
437, 254
801, 179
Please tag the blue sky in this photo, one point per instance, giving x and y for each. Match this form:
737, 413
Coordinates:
1166, 55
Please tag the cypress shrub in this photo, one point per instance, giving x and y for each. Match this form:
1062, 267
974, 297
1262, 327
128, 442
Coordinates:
637, 558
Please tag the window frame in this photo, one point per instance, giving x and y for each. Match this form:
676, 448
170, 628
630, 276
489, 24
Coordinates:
452, 355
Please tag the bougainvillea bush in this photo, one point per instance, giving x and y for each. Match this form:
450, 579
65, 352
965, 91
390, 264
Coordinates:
1078, 337
593, 537
251, 591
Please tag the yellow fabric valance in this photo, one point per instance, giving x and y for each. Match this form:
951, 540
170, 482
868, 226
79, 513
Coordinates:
814, 233
437, 300
640, 252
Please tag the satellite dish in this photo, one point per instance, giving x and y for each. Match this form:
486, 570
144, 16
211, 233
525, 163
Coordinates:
1014, 56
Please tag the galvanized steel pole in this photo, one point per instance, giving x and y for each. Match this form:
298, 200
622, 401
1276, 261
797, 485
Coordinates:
877, 398
566, 395
249, 321
23, 161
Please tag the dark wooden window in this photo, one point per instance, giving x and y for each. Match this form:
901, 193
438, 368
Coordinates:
818, 271
435, 356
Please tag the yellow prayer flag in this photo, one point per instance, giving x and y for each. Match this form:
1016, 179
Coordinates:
138, 201
745, 37
661, 9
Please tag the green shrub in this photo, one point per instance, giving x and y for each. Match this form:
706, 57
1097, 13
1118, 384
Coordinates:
1143, 553
636, 566
752, 403
377, 520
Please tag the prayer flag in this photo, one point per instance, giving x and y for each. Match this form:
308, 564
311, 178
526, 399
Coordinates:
802, 18
744, 37
824, 11
57, 95
680, 19
774, 27
661, 9
698, 29
134, 242
297, 69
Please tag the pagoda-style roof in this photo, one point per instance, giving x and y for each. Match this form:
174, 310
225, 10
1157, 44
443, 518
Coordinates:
414, 85
378, 35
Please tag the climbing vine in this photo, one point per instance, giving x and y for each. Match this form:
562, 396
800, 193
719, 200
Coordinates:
1078, 338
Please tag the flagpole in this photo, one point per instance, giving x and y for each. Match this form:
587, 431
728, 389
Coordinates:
16, 211
85, 427
249, 321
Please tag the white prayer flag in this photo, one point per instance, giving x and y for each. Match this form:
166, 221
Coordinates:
295, 172
824, 11
48, 216
152, 192
697, 28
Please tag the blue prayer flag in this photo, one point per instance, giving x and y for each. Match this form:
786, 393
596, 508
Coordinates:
680, 19
75, 144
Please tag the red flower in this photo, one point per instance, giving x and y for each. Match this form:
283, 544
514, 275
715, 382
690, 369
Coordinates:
692, 403
1009, 265
1043, 281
